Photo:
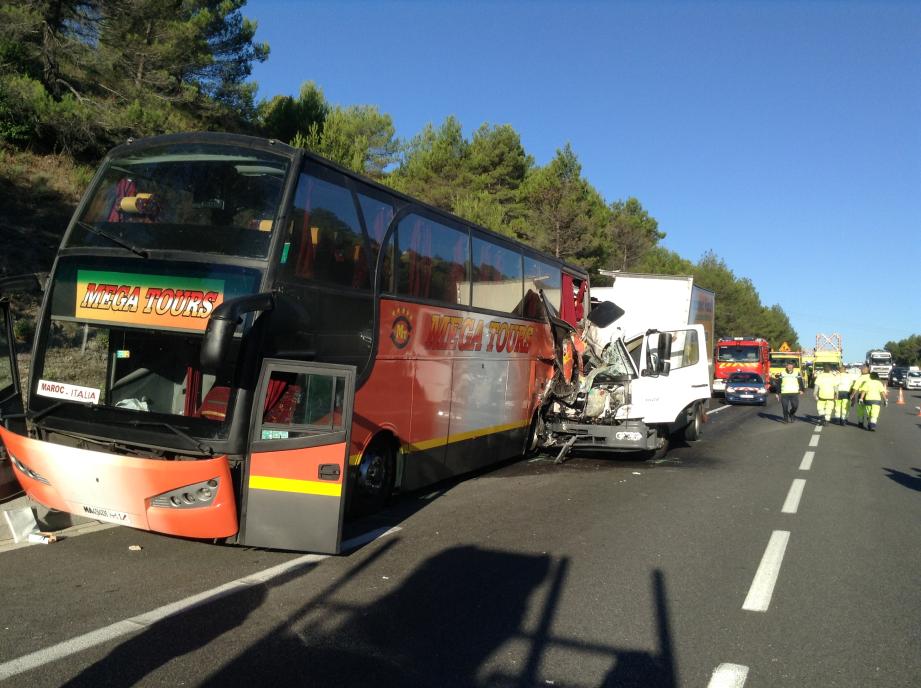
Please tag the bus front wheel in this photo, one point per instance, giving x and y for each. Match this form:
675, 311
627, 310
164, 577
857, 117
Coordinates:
375, 477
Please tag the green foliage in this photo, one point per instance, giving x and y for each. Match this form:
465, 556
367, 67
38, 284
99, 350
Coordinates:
906, 351
434, 165
82, 75
632, 232
359, 137
566, 215
285, 118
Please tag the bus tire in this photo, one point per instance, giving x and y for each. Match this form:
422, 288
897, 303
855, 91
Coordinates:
375, 477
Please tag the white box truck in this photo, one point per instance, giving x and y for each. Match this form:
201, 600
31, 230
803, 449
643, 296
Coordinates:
646, 374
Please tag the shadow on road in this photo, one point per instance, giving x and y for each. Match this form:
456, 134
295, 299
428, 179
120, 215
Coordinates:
466, 616
905, 479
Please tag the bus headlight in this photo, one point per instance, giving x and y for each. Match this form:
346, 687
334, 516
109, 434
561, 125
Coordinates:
25, 470
188, 497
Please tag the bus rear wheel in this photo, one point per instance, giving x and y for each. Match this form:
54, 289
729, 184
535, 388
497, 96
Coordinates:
375, 477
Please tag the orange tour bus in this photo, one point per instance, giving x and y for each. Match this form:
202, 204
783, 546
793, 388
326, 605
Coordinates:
237, 337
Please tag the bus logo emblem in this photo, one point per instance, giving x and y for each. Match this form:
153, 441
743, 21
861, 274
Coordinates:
401, 330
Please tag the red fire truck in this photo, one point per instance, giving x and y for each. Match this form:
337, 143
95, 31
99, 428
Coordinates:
734, 354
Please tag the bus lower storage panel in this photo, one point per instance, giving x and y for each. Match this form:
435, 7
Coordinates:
629, 435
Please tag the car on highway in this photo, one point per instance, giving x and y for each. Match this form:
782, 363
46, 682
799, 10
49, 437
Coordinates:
896, 375
912, 379
746, 388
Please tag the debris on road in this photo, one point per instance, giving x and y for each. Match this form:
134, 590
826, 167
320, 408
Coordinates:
42, 538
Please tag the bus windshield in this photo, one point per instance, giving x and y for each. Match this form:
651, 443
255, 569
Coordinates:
738, 354
145, 372
185, 197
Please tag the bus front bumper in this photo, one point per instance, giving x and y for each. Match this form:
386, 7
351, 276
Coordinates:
186, 498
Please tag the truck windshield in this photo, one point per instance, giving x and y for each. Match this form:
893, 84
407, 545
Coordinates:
738, 354
186, 197
145, 374
881, 359
782, 362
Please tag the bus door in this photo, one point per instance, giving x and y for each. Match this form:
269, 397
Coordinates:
296, 470
11, 407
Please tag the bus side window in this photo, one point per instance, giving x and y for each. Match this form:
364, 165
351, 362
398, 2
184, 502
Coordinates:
327, 241
433, 261
497, 275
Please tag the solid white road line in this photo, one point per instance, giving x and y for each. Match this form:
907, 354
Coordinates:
728, 676
807, 461
138, 623
791, 504
762, 589
814, 441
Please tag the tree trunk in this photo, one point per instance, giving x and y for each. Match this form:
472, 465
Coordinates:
50, 26
139, 76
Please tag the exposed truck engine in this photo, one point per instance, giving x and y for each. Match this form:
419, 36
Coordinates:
630, 394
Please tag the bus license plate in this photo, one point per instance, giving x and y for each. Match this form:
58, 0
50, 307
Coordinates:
102, 514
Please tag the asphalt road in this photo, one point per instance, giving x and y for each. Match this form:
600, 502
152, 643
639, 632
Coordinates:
742, 552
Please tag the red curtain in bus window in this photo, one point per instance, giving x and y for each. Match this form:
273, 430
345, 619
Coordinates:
458, 271
192, 391
307, 248
124, 188
572, 309
281, 399
420, 261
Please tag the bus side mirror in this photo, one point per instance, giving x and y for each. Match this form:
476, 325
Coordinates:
223, 323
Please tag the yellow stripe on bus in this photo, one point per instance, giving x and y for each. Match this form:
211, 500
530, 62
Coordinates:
461, 436
264, 482
355, 459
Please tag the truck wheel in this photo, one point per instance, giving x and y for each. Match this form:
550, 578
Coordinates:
662, 449
692, 430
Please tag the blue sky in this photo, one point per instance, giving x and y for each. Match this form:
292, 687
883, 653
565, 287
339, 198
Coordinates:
785, 136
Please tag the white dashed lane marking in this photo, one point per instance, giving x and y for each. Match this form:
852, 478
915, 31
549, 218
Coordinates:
814, 441
807, 461
762, 588
791, 504
728, 676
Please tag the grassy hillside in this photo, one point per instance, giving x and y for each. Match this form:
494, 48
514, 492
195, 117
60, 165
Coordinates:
38, 194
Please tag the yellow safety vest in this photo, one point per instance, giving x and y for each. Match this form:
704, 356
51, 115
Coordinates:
860, 381
873, 390
789, 383
825, 385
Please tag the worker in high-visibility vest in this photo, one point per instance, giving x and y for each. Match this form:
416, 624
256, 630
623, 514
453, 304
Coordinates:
825, 393
873, 395
790, 387
856, 388
843, 404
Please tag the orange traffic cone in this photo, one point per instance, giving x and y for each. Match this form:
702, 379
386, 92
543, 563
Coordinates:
901, 398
